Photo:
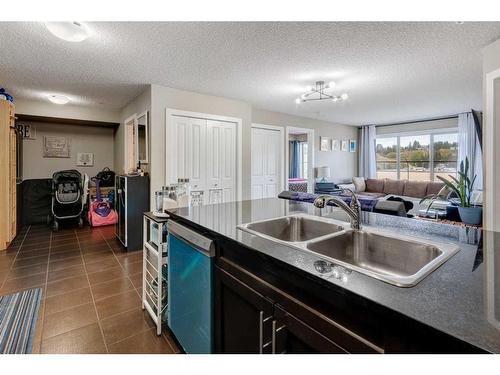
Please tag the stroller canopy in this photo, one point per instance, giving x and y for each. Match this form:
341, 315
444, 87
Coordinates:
68, 175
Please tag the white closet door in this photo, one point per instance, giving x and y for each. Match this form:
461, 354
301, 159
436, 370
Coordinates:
197, 154
221, 161
214, 145
228, 161
179, 149
266, 162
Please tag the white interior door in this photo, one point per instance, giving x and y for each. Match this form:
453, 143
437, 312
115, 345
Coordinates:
221, 161
197, 154
266, 162
179, 146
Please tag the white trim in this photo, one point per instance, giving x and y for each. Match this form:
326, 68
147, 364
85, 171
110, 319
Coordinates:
282, 174
146, 114
489, 153
127, 120
169, 112
310, 147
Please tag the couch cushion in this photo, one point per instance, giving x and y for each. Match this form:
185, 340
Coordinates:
394, 186
417, 189
434, 187
359, 184
374, 185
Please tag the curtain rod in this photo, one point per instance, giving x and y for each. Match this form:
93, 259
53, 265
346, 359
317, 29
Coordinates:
422, 120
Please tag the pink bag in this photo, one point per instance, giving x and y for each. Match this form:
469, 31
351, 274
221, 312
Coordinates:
97, 220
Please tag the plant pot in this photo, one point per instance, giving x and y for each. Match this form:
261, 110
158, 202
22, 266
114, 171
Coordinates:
471, 215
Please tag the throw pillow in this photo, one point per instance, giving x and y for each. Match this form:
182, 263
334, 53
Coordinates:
359, 184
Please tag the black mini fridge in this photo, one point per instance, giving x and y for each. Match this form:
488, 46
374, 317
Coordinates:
131, 201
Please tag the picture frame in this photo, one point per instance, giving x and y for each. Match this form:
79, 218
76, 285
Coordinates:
324, 143
85, 159
352, 145
335, 145
56, 147
343, 146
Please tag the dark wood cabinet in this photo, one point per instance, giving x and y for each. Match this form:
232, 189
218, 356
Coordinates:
248, 322
243, 317
293, 336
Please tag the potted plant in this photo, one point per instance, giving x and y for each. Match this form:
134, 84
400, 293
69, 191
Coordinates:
462, 187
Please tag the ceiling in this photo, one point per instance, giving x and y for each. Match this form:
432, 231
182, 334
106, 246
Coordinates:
395, 71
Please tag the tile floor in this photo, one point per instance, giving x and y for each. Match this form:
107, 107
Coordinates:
91, 291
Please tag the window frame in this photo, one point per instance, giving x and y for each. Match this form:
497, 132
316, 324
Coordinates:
431, 133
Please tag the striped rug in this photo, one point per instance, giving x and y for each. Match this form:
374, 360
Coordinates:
18, 316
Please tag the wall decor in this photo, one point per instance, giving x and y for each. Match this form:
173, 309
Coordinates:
335, 145
343, 147
85, 159
56, 147
27, 131
324, 143
352, 145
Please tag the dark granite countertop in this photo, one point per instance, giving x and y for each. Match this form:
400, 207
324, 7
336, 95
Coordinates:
460, 298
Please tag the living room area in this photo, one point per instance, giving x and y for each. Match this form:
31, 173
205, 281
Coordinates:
428, 169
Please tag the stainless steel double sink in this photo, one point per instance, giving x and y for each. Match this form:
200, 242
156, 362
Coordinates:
399, 260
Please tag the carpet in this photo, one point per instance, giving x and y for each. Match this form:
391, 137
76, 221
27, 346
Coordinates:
18, 316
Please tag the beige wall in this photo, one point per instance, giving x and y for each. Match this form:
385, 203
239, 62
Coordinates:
137, 106
83, 139
48, 109
343, 165
491, 139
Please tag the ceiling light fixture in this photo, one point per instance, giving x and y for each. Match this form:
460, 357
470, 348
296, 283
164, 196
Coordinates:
319, 92
70, 31
59, 99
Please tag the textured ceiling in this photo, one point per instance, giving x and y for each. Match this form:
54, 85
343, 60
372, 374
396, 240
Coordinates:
391, 71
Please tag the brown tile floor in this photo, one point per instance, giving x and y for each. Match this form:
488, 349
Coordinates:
91, 291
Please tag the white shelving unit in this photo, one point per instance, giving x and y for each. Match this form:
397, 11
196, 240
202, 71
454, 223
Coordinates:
154, 257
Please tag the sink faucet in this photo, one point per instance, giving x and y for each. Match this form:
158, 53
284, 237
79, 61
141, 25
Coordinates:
353, 210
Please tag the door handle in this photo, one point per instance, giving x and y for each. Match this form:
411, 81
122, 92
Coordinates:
262, 320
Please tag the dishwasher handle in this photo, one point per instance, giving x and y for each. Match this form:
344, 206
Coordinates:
201, 243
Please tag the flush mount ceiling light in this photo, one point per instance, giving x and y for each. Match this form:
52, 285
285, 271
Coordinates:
59, 99
70, 31
320, 91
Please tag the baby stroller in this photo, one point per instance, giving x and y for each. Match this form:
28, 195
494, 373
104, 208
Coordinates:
67, 198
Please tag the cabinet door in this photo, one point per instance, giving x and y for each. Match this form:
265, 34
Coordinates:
292, 336
243, 317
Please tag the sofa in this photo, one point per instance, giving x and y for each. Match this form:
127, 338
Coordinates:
410, 191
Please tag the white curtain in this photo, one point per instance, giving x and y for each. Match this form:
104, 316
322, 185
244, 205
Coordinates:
367, 159
468, 146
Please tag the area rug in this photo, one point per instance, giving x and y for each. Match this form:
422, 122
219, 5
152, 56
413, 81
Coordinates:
18, 316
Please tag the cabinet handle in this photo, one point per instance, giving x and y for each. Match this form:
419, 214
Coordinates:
275, 331
261, 332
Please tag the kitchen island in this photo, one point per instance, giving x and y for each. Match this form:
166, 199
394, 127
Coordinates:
273, 298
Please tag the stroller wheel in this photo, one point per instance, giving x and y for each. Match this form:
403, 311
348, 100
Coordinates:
80, 222
55, 226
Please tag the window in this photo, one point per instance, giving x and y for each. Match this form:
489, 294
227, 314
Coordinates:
445, 154
387, 158
414, 159
418, 157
